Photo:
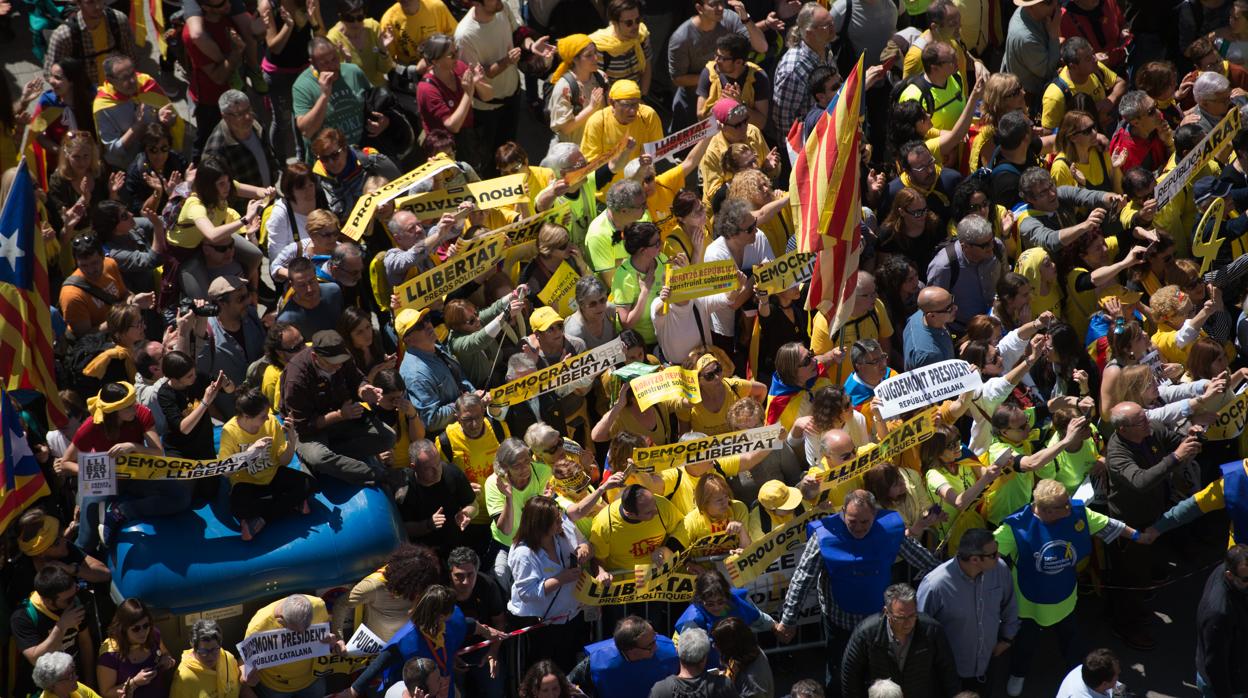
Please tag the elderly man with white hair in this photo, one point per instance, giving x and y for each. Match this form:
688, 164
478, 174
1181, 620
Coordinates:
582, 194
969, 268
236, 140
693, 678
295, 679
56, 674
1212, 92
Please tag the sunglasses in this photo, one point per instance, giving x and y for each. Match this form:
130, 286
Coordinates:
207, 651
808, 360
713, 373
916, 212
353, 18
334, 155
141, 627
221, 248
158, 149
736, 124
1083, 131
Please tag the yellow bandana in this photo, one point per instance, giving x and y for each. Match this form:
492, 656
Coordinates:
48, 532
569, 47
98, 407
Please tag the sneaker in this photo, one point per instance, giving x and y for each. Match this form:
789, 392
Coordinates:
251, 527
1014, 687
110, 524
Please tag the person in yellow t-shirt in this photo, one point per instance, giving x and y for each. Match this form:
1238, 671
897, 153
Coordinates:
626, 116
296, 612
408, 23
661, 188
624, 44
358, 38
207, 669
716, 516
470, 443
634, 530
257, 495
679, 484
719, 393
735, 127
1177, 328
1081, 74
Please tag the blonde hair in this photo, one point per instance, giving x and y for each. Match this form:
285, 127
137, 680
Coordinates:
747, 185
540, 434
1167, 301
1133, 382
709, 485
75, 140
320, 221
552, 236
1050, 493
995, 89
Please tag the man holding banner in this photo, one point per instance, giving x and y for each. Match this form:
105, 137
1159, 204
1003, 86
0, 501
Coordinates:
850, 557
296, 615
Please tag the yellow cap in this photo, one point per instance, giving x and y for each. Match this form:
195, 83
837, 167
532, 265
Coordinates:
544, 317
407, 319
777, 496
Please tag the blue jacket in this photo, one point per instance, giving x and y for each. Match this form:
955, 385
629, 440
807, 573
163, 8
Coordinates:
434, 381
224, 353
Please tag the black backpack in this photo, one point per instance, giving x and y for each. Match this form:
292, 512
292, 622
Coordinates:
926, 98
70, 368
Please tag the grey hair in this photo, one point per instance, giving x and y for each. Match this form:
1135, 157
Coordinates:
205, 630
421, 447
632, 168
468, 400
1033, 177
884, 688
320, 42
1117, 417
296, 611
520, 362
801, 25
974, 229
863, 348
589, 286
731, 215
344, 251
863, 278
1131, 106
510, 451
1209, 84
111, 63
558, 155
50, 668
538, 434
862, 497
898, 592
691, 436
231, 98
695, 646
393, 225
624, 194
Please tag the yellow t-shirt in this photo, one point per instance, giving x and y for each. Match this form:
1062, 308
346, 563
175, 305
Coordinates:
702, 419
912, 64
1093, 172
234, 439
185, 233
659, 204
373, 58
410, 30
873, 325
1166, 340
102, 43
778, 230
1097, 87
678, 485
297, 675
271, 386
712, 170
475, 457
698, 526
620, 545
603, 131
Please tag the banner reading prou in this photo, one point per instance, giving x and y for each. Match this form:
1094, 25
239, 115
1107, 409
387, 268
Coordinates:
137, 466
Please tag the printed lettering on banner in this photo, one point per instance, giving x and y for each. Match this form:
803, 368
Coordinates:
364, 643
560, 291
1206, 150
735, 443
452, 274
583, 366
747, 565
97, 475
767, 591
682, 139
669, 384
623, 589
492, 193
366, 206
276, 647
926, 385
139, 466
911, 433
784, 272
704, 279
1231, 419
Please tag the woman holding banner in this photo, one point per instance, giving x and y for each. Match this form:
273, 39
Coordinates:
718, 523
719, 394
639, 278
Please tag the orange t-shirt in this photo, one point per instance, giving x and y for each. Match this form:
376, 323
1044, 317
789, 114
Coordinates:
79, 307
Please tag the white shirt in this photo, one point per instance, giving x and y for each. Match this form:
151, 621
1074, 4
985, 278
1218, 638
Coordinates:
489, 43
1074, 687
677, 329
723, 316
530, 568
277, 227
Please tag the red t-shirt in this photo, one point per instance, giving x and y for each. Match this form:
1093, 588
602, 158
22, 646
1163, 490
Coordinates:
1149, 153
201, 88
437, 102
90, 437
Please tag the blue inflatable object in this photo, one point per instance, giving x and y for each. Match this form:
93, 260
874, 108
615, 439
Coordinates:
197, 561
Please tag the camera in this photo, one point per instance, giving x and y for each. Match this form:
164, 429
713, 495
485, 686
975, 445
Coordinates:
208, 309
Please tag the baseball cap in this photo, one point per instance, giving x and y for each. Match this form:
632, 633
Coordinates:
1207, 187
330, 346
225, 285
407, 319
544, 317
727, 108
775, 495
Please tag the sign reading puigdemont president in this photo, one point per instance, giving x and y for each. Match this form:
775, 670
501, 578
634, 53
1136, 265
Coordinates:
926, 385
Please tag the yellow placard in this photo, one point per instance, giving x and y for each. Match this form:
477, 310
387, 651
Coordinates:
1208, 148
526, 229
453, 273
734, 443
784, 272
749, 564
560, 291
669, 384
576, 368
1230, 420
366, 206
139, 466
1207, 243
676, 587
911, 433
705, 279
573, 177
492, 193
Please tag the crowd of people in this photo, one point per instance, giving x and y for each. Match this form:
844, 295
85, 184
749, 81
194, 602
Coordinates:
1052, 192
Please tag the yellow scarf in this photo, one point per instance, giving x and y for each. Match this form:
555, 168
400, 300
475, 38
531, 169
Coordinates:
38, 545
227, 671
907, 181
747, 87
149, 93
37, 601
98, 408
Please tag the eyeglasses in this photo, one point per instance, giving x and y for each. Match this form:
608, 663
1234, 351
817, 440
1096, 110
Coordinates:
873, 362
141, 627
713, 373
158, 149
655, 242
916, 212
1083, 131
334, 155
993, 555
930, 165
207, 651
904, 619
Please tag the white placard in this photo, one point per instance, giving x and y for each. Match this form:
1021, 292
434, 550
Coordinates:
684, 138
926, 385
276, 647
364, 643
97, 475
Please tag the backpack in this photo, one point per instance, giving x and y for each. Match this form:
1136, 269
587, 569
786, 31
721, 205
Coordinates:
70, 368
842, 47
926, 99
574, 90
77, 37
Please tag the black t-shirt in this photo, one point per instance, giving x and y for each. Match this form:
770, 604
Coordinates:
176, 405
20, 577
30, 628
484, 603
450, 494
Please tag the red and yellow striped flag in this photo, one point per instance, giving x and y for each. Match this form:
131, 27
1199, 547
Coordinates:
26, 299
824, 191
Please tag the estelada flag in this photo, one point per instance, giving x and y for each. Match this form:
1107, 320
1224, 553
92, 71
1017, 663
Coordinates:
26, 299
21, 481
824, 193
